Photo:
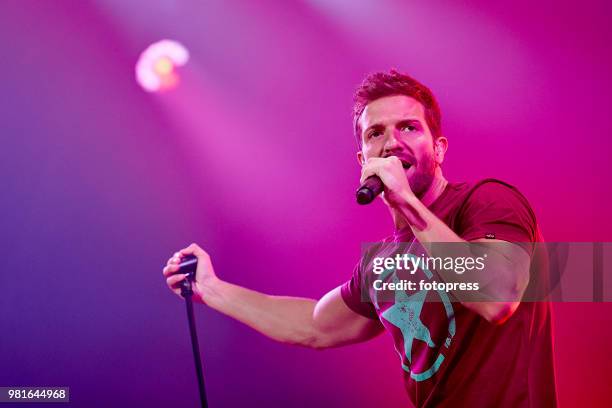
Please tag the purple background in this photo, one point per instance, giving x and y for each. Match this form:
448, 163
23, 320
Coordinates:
103, 182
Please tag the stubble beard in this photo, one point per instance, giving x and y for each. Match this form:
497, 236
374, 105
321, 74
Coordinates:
423, 176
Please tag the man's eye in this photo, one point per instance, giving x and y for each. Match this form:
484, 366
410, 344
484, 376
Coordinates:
375, 133
409, 128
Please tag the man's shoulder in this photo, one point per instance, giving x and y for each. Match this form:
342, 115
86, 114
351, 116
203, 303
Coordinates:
487, 195
495, 202
486, 188
492, 184
492, 190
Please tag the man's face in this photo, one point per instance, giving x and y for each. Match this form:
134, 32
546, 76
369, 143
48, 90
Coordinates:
396, 126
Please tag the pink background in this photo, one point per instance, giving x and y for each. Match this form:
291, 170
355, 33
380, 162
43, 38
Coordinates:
253, 158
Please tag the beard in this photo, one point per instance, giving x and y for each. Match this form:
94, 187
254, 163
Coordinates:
423, 176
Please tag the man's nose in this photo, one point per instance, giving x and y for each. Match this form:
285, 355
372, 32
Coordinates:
392, 142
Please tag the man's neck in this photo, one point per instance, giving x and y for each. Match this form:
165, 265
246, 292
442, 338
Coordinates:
435, 190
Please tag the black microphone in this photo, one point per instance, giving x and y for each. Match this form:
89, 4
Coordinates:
371, 187
188, 265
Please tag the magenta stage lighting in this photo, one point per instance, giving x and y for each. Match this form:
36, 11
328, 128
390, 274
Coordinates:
156, 66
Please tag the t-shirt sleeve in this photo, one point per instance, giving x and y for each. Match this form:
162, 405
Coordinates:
496, 210
351, 294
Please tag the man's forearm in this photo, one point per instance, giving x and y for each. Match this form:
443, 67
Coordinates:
282, 318
425, 225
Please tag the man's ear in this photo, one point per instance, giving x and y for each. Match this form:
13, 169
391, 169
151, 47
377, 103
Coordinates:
360, 158
440, 148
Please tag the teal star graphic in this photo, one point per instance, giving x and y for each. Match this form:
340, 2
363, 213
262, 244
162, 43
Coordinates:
405, 314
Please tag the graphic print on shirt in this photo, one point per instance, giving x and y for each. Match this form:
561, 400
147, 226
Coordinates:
405, 315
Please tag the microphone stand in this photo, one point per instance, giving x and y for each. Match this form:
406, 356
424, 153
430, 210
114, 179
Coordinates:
187, 293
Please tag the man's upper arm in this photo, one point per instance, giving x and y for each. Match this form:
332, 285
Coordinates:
338, 325
507, 277
517, 261
499, 214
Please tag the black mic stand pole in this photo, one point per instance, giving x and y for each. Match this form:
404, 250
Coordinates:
189, 264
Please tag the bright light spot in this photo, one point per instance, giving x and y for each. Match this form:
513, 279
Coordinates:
163, 66
155, 69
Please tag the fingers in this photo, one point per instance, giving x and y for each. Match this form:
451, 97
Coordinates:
174, 281
374, 166
170, 269
370, 168
172, 264
176, 259
365, 173
194, 249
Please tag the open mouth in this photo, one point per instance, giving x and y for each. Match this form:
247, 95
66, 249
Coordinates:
406, 165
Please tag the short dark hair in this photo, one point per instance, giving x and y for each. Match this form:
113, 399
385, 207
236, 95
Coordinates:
381, 84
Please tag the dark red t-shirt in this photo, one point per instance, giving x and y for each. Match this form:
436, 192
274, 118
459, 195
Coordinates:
450, 355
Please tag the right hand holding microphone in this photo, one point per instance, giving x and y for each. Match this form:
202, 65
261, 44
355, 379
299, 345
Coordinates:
204, 277
392, 173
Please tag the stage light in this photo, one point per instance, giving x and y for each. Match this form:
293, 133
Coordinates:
156, 66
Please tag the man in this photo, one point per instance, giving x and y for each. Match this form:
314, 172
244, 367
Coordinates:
453, 353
